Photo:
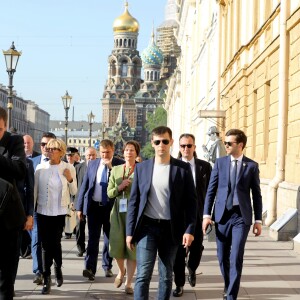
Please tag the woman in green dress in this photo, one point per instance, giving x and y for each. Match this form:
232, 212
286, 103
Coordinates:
119, 187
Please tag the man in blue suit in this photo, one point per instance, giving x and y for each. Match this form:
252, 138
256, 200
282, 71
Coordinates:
232, 180
36, 249
161, 214
92, 202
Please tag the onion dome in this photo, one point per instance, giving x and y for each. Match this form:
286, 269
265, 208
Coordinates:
152, 55
126, 22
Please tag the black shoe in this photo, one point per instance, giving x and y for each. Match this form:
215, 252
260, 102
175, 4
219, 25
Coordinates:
47, 285
88, 274
225, 294
80, 252
59, 279
178, 292
68, 236
192, 277
109, 273
38, 278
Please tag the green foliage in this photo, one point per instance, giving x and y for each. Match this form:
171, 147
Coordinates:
155, 119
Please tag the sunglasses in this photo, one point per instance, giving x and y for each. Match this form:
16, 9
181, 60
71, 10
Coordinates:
157, 142
43, 144
52, 149
229, 143
187, 145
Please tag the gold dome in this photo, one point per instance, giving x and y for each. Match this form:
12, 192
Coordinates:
126, 22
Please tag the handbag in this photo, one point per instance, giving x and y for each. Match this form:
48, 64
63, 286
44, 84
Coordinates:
12, 212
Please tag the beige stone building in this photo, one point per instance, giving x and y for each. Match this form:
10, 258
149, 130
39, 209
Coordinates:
242, 57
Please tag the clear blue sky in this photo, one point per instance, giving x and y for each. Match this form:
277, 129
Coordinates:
65, 45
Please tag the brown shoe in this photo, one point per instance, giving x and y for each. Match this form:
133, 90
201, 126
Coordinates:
118, 281
128, 290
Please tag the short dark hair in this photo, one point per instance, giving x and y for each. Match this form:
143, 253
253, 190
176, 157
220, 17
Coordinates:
240, 136
135, 144
49, 135
161, 130
107, 143
187, 135
3, 115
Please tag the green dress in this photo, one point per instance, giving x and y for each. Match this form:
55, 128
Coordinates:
117, 234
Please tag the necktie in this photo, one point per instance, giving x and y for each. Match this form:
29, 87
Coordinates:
104, 184
229, 202
46, 159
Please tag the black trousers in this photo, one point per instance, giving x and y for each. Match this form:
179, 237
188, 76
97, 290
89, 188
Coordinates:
50, 230
80, 233
194, 256
9, 250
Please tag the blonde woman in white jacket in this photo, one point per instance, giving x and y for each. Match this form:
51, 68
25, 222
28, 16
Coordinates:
55, 181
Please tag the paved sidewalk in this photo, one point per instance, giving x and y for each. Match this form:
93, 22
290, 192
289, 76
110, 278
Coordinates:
271, 271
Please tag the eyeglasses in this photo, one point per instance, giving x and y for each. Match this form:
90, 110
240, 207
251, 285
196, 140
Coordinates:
157, 142
187, 145
52, 149
229, 143
43, 144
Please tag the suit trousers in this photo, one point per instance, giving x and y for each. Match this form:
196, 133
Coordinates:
50, 230
193, 258
36, 248
98, 218
231, 233
8, 252
80, 233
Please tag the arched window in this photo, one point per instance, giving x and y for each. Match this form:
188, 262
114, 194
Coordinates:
125, 42
120, 42
124, 68
129, 42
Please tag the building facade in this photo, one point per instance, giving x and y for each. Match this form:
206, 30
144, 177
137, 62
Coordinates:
241, 58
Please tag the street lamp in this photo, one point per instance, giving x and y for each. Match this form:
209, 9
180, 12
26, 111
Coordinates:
66, 99
11, 59
91, 120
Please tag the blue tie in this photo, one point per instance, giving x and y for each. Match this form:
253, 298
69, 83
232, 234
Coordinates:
103, 184
229, 202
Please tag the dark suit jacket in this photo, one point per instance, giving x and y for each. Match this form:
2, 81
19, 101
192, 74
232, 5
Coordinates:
12, 161
183, 203
26, 188
88, 184
202, 173
247, 181
80, 172
35, 154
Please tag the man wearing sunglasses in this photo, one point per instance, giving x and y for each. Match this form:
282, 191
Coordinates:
232, 180
201, 173
161, 214
36, 249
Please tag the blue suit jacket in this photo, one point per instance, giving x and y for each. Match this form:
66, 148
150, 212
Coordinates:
182, 199
36, 160
88, 184
219, 188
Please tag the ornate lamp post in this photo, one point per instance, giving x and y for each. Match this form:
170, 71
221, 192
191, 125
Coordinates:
11, 59
66, 99
91, 120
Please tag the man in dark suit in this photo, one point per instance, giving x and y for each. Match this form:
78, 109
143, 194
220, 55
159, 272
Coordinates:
93, 203
232, 180
161, 214
90, 154
36, 250
28, 146
12, 167
201, 173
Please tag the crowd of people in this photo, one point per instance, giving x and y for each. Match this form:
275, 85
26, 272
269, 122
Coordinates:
160, 209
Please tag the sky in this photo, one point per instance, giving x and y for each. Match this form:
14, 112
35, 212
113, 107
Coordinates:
65, 45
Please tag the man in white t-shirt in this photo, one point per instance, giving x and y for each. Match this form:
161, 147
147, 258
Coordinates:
161, 214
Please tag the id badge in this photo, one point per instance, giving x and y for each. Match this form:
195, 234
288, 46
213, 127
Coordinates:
123, 205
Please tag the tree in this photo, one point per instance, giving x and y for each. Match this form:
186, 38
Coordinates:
157, 118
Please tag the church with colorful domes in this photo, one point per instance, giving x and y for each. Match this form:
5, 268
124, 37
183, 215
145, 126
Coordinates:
127, 98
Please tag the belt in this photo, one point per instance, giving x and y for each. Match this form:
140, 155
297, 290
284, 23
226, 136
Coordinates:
99, 203
156, 221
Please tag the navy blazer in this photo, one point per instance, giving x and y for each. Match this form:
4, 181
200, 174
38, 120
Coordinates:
88, 184
182, 199
247, 181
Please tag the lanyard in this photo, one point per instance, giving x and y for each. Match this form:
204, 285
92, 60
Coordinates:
131, 169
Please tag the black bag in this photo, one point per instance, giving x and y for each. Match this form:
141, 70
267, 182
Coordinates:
12, 212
